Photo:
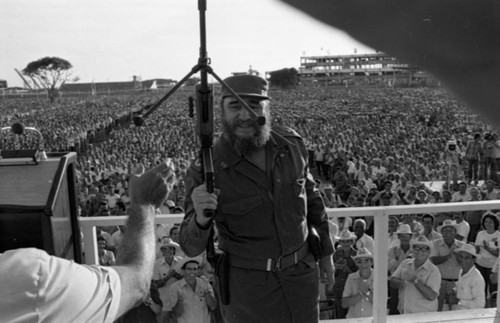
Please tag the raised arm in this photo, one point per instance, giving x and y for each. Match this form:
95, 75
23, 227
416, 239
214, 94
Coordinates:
137, 253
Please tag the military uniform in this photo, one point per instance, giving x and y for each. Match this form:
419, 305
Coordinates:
262, 219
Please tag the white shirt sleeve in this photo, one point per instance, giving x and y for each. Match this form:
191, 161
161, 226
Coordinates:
45, 288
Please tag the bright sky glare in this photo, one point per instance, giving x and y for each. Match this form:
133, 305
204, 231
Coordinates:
112, 40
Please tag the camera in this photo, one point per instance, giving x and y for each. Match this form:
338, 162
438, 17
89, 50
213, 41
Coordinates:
451, 145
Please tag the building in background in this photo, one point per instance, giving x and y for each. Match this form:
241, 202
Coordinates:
366, 69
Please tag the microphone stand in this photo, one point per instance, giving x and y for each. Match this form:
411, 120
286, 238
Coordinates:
204, 102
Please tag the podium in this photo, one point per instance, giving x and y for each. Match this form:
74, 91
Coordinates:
38, 206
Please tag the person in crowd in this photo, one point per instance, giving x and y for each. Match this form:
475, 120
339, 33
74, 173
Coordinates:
85, 293
103, 209
117, 239
331, 200
191, 298
396, 256
491, 193
342, 187
362, 239
428, 224
258, 167
106, 257
469, 292
164, 273
462, 195
411, 196
473, 155
462, 226
393, 228
319, 155
435, 197
358, 291
411, 220
474, 217
494, 146
417, 279
387, 192
344, 266
444, 258
487, 248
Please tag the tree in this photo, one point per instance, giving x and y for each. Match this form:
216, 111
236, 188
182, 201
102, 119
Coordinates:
285, 78
51, 73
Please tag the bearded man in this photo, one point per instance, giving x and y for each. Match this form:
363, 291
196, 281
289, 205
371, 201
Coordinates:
266, 205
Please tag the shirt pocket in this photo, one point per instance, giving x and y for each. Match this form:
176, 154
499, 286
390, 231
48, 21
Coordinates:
241, 206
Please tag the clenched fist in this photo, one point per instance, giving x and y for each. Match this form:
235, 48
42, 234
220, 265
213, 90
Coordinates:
153, 186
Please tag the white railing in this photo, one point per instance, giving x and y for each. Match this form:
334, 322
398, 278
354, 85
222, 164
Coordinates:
380, 214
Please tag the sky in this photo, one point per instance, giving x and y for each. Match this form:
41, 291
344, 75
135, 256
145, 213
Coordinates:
112, 40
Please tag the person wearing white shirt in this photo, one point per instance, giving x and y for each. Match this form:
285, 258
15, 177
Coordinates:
418, 280
351, 170
462, 195
487, 248
469, 293
462, 226
362, 239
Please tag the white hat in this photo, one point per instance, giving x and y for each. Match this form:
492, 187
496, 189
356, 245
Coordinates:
363, 253
468, 248
346, 235
448, 223
404, 229
421, 241
170, 243
180, 265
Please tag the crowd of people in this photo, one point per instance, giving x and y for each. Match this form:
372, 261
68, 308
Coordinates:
367, 147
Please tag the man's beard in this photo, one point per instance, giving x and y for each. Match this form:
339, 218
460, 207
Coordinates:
247, 145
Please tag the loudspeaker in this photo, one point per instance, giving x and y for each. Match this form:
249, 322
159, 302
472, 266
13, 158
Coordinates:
38, 206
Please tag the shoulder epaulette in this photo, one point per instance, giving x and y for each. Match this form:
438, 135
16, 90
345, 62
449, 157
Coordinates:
286, 132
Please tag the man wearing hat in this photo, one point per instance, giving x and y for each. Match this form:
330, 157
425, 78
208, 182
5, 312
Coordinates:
397, 254
331, 200
469, 293
265, 203
358, 296
344, 265
418, 280
444, 258
164, 274
191, 297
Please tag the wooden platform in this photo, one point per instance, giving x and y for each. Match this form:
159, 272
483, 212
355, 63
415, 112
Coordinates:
27, 185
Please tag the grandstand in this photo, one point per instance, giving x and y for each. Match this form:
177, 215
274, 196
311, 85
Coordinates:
359, 69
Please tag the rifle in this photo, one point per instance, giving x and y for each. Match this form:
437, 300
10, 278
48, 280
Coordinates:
204, 115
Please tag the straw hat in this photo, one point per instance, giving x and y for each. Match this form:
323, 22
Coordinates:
180, 265
346, 235
363, 253
404, 229
421, 241
468, 248
170, 243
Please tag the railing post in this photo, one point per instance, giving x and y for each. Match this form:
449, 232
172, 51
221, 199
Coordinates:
380, 291
90, 243
498, 298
